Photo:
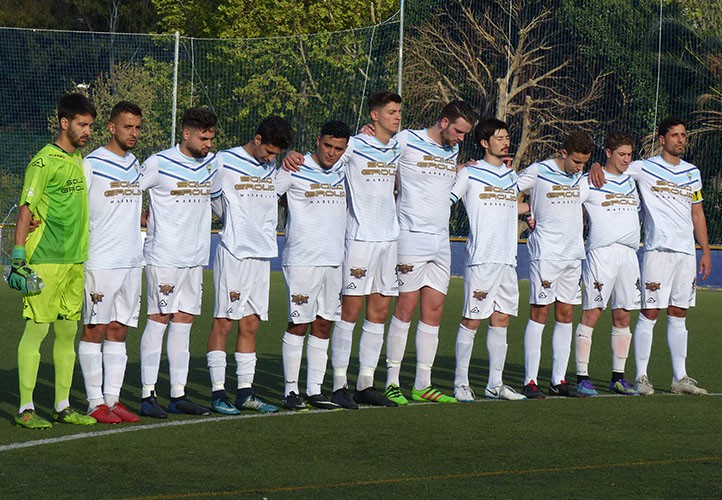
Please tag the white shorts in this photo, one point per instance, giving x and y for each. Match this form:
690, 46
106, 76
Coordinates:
370, 267
112, 295
428, 264
489, 288
241, 286
174, 289
612, 272
668, 279
313, 291
555, 280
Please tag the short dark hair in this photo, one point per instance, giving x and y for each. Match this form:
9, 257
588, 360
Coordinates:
668, 123
578, 142
336, 128
276, 131
616, 139
125, 107
459, 109
71, 105
486, 128
381, 99
199, 118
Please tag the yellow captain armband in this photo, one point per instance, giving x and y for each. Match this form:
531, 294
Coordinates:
697, 197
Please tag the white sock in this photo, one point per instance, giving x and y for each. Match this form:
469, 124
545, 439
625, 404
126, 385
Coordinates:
643, 334
151, 346
179, 357
115, 360
316, 361
291, 353
532, 350
583, 348
217, 368
341, 342
677, 340
395, 348
427, 341
372, 340
464, 348
621, 339
90, 358
561, 349
496, 347
245, 369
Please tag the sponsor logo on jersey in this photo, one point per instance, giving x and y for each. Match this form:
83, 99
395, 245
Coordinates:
254, 183
564, 191
598, 286
358, 272
613, 199
480, 294
437, 163
666, 187
498, 193
122, 188
404, 268
652, 286
546, 284
325, 189
96, 297
234, 295
166, 289
380, 168
73, 185
192, 188
39, 163
299, 299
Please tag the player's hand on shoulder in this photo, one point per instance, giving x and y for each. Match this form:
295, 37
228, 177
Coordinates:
368, 129
469, 163
292, 161
596, 175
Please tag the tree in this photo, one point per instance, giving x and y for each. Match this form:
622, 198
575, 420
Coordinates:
526, 75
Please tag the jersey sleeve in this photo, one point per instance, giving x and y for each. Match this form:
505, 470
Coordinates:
697, 188
346, 156
282, 182
217, 180
88, 169
461, 185
635, 169
37, 176
148, 173
527, 178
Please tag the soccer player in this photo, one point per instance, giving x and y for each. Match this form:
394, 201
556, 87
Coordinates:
177, 246
54, 193
369, 269
113, 271
316, 199
556, 251
244, 198
671, 190
489, 192
611, 269
426, 172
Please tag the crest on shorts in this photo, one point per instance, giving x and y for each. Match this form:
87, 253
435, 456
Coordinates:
546, 284
165, 288
358, 272
299, 298
96, 297
652, 286
234, 295
598, 286
480, 294
404, 268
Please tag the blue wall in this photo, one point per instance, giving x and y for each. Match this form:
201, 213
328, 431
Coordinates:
458, 258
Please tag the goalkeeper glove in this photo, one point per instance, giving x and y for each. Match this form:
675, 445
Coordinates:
19, 271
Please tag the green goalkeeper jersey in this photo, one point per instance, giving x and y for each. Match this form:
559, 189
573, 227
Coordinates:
54, 190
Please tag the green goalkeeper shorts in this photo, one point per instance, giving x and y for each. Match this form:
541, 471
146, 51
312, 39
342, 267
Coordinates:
62, 296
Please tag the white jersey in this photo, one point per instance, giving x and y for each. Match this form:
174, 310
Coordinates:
179, 224
489, 194
556, 203
370, 178
613, 212
316, 216
114, 203
246, 191
426, 172
668, 193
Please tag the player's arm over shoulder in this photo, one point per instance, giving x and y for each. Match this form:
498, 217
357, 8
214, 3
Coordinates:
527, 177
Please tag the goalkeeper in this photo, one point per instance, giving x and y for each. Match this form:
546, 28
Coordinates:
54, 193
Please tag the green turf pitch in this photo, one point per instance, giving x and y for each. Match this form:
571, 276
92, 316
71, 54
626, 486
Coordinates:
610, 447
